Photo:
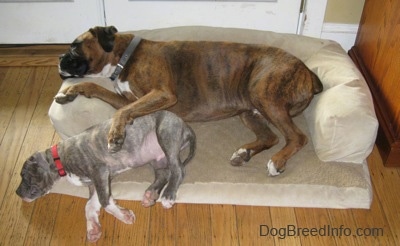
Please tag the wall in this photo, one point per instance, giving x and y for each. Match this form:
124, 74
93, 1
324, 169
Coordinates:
344, 11
341, 21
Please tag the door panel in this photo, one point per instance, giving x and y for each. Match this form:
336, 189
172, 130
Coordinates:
279, 16
48, 22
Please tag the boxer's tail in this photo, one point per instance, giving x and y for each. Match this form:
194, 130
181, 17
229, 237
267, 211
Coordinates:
317, 84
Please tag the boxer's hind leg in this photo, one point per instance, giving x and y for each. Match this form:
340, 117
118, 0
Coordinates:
294, 137
161, 179
265, 138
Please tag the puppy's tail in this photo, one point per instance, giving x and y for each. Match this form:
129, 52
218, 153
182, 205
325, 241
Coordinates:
317, 84
191, 138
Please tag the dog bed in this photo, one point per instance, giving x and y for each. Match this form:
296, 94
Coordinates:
330, 171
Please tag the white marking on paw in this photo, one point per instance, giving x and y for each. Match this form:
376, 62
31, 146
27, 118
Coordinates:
272, 169
166, 203
60, 94
238, 153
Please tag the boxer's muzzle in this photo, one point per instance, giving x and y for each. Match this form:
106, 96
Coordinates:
72, 66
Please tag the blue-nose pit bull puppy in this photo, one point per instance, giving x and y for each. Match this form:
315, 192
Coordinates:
84, 159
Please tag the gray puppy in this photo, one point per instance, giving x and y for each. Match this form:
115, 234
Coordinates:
84, 159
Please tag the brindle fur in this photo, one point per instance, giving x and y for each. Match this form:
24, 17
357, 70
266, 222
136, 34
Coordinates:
201, 81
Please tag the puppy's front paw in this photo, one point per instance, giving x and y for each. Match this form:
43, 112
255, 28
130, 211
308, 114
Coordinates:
93, 231
62, 98
128, 216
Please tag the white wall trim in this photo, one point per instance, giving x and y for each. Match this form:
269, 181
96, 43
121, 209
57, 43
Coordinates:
339, 28
344, 34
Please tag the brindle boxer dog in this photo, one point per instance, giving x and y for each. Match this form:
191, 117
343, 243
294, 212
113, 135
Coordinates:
199, 81
157, 138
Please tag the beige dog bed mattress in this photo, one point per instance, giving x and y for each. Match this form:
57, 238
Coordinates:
331, 171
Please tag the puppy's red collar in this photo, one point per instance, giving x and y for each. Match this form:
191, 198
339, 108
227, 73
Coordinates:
57, 161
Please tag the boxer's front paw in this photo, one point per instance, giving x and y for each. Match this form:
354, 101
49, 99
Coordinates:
62, 98
93, 231
115, 145
149, 198
240, 157
273, 169
116, 137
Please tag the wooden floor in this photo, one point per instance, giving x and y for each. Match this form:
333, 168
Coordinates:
28, 82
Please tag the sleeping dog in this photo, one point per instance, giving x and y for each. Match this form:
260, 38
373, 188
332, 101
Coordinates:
84, 159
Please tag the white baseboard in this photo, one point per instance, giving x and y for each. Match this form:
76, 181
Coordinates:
344, 34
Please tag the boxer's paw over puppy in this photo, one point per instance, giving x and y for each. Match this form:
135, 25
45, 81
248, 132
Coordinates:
149, 198
240, 157
116, 138
62, 98
115, 145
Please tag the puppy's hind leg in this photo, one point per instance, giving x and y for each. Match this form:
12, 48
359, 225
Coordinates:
161, 179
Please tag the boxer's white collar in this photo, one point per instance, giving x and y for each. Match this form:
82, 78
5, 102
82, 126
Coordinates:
125, 57
57, 161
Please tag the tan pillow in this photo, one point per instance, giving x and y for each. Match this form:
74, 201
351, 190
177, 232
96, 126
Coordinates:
341, 119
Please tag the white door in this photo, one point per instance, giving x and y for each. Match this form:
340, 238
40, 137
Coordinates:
60, 21
273, 15
51, 21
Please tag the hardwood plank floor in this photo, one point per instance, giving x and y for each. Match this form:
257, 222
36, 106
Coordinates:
26, 93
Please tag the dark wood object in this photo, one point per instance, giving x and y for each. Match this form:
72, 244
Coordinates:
377, 53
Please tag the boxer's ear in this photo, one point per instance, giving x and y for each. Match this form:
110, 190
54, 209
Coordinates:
105, 36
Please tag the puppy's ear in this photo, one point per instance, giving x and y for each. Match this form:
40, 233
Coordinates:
105, 36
